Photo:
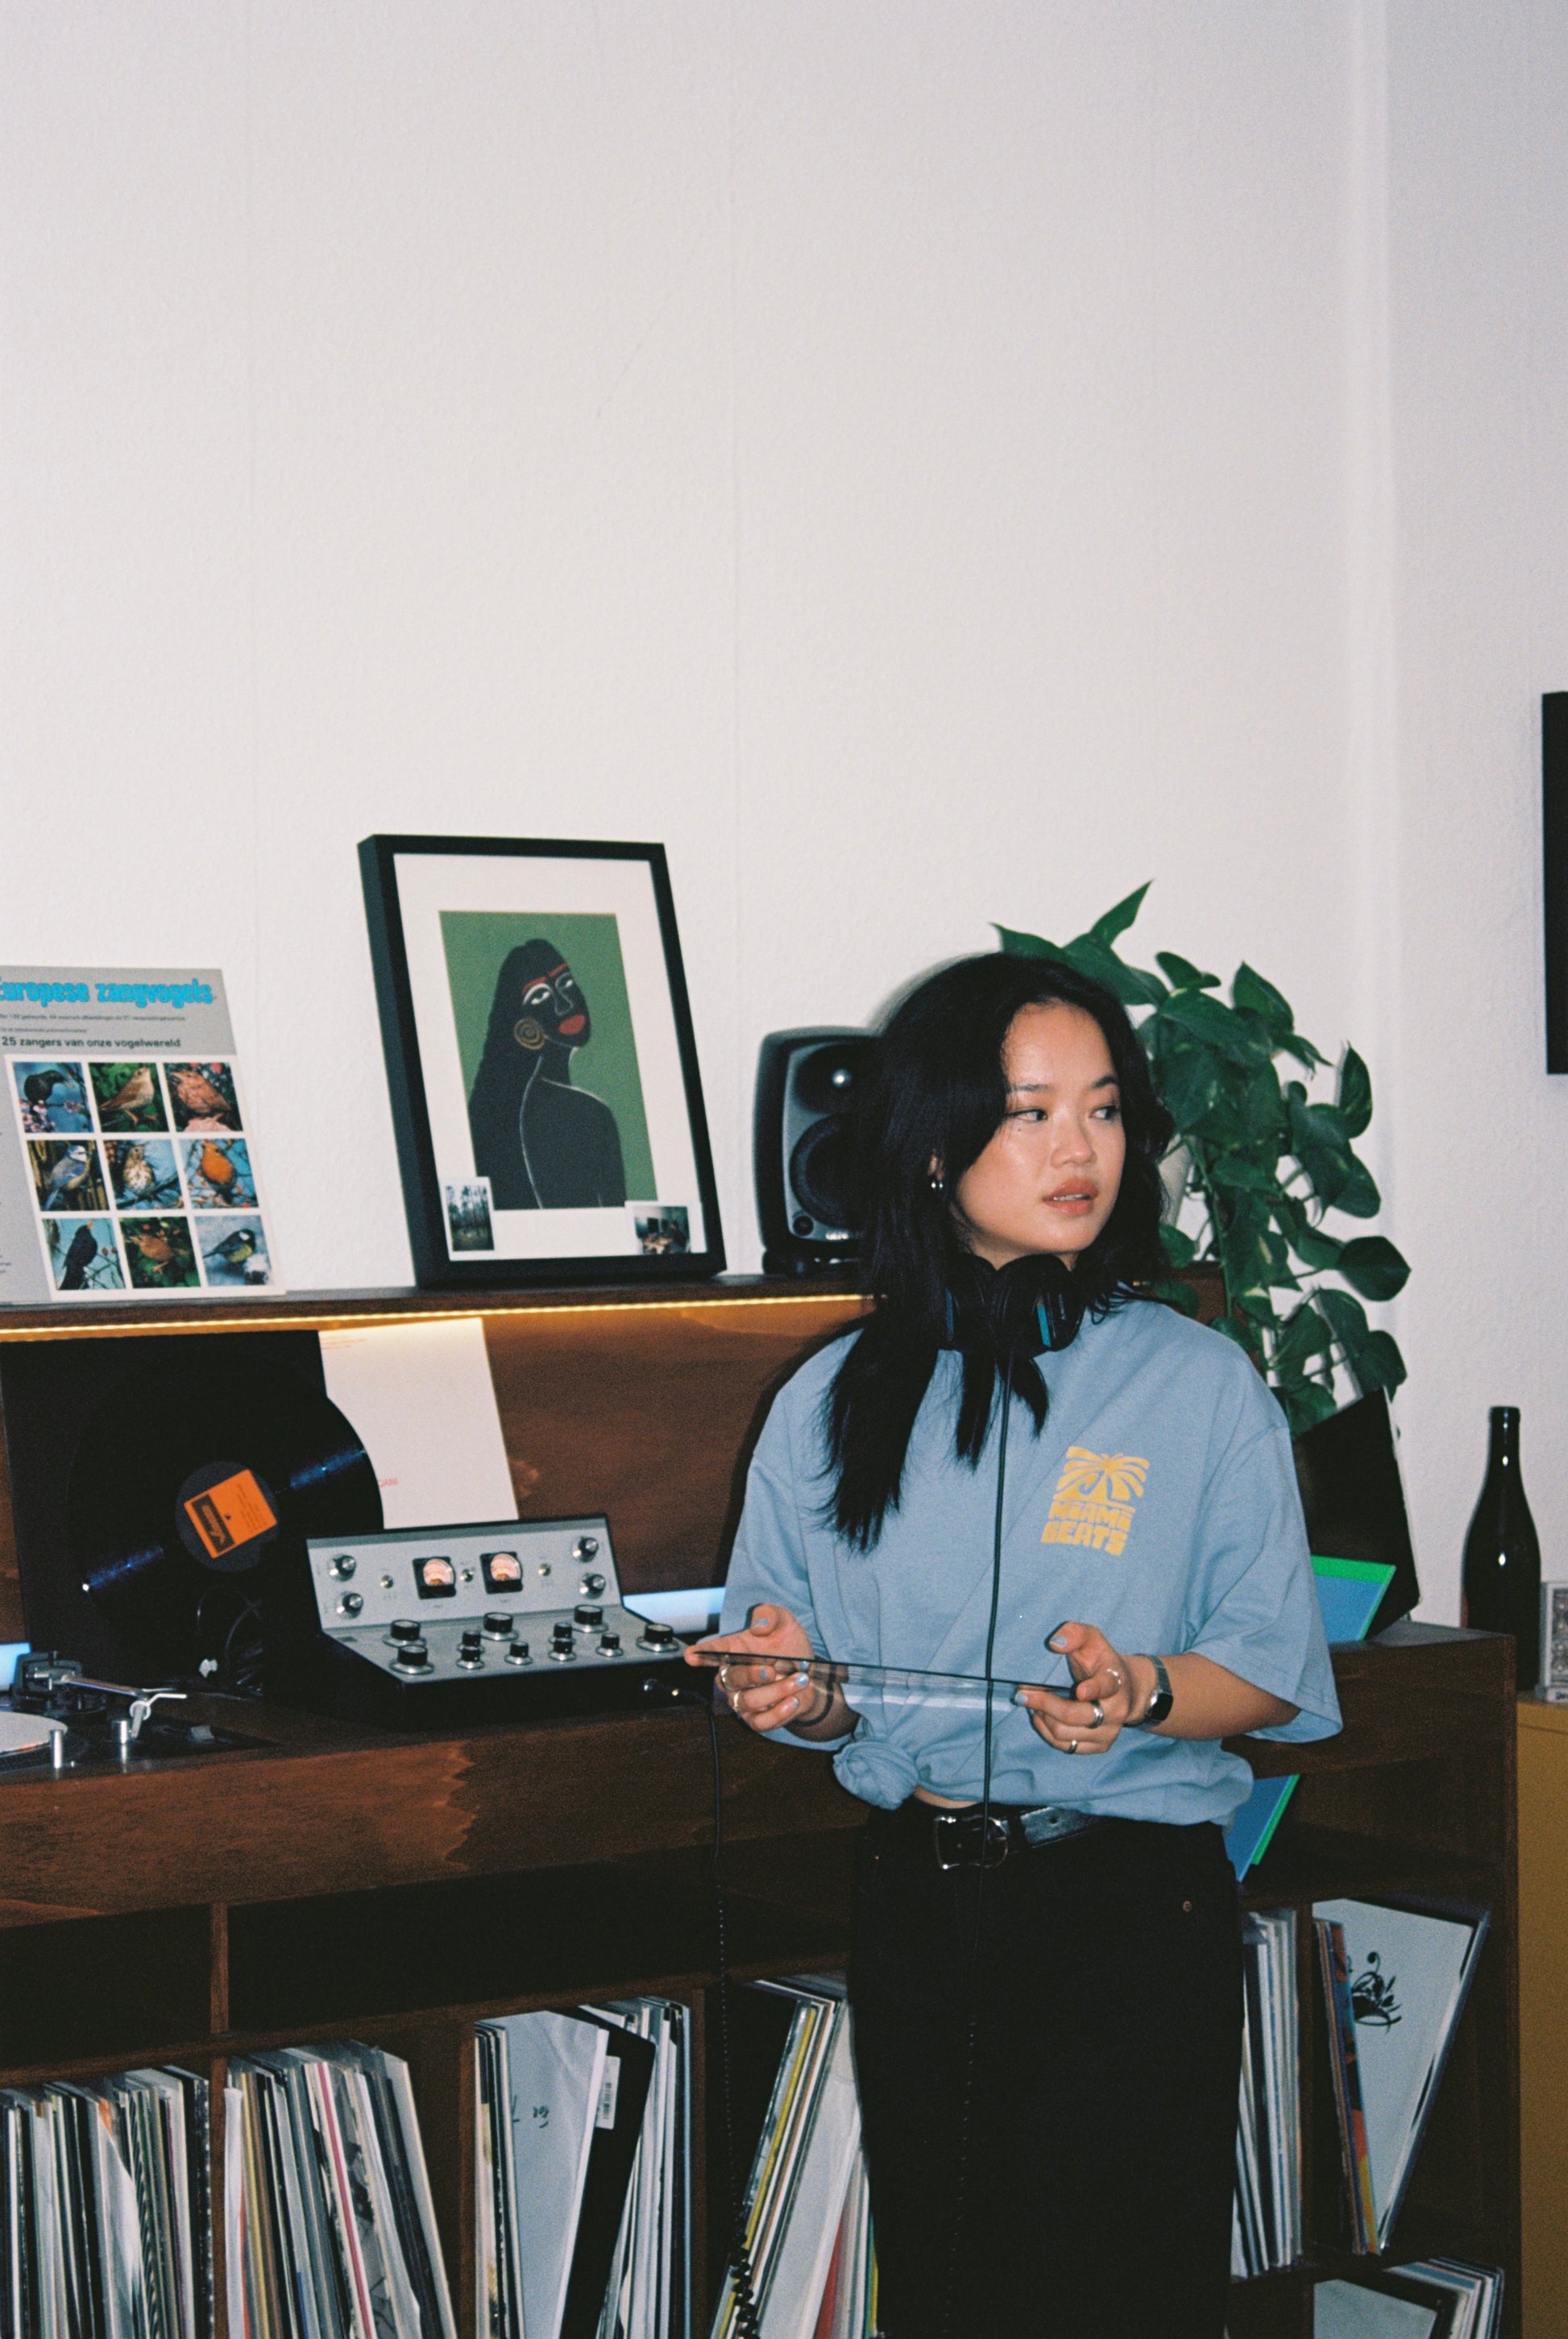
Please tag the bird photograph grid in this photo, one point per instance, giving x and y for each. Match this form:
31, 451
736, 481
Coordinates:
141, 1172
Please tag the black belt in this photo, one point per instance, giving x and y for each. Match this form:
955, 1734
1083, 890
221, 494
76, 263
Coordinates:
973, 1838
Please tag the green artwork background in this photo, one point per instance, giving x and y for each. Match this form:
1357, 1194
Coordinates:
476, 942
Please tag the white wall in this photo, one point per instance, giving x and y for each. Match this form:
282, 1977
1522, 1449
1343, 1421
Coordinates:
1478, 213
926, 461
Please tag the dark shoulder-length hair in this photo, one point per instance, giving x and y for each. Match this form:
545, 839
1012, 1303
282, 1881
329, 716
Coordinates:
938, 1093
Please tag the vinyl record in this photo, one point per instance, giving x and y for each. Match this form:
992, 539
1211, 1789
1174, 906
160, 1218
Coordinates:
194, 1487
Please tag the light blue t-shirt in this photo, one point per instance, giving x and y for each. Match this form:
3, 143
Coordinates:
1159, 1503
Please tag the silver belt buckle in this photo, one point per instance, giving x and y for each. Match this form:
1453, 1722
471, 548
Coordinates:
954, 1832
1053, 1823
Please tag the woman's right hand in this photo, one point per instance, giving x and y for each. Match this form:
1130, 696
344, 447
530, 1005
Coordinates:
768, 1693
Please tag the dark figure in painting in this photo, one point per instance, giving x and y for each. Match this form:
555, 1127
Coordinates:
543, 1144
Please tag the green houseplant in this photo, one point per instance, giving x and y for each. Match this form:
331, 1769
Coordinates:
1264, 1161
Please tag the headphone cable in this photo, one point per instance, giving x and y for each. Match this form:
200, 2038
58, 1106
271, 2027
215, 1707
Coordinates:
746, 2322
960, 2184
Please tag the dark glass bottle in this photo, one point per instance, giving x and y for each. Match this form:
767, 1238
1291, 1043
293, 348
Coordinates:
1502, 1555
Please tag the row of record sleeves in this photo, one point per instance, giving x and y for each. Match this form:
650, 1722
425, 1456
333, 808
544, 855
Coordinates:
583, 2152
106, 2204
585, 2174
105, 2223
582, 2198
1394, 1980
583, 2192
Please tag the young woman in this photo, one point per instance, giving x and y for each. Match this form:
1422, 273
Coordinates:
1017, 1468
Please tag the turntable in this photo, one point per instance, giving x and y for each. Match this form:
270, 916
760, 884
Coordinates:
59, 1720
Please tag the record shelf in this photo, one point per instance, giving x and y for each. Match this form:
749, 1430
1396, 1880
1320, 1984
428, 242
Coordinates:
332, 1880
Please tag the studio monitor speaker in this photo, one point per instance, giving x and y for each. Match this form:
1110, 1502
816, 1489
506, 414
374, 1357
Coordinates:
807, 1085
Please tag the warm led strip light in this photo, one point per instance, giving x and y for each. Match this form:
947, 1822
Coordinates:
97, 1329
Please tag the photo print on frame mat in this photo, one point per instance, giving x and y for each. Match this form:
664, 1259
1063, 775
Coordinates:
125, 1138
539, 1053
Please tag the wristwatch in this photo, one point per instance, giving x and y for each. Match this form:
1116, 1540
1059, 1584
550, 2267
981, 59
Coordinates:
1159, 1704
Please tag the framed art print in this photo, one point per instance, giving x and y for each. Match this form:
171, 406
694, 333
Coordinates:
539, 1053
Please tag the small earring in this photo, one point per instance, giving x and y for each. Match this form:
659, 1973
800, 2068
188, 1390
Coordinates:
938, 1183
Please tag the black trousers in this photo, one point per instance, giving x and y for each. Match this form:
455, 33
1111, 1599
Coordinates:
1074, 2171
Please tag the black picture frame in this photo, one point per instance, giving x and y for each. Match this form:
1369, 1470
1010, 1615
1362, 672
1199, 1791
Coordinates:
1554, 871
428, 1044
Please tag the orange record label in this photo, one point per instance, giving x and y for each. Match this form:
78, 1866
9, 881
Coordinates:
233, 1512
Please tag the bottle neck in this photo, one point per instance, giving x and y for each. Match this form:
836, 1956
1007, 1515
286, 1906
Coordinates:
1505, 1454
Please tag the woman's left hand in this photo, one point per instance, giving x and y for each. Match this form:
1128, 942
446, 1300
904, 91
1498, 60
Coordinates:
1091, 1718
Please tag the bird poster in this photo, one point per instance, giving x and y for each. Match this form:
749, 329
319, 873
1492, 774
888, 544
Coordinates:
127, 1155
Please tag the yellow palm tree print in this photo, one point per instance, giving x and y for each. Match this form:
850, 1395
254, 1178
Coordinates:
1103, 1477
1096, 1499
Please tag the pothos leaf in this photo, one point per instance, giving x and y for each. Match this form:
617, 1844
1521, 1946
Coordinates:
1175, 1294
1307, 1403
1250, 989
1378, 1364
1182, 975
1371, 1265
1020, 945
1131, 984
1358, 1198
1354, 1093
1233, 1329
1347, 1317
1117, 921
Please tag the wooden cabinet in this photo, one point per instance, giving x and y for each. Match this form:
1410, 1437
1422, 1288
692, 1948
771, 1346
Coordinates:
1543, 2012
1416, 1796
332, 1880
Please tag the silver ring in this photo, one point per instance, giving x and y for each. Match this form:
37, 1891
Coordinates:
1118, 1677
1072, 1745
1097, 1711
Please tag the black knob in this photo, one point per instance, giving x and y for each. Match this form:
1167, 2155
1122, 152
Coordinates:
471, 1646
802, 1224
656, 1636
610, 1643
403, 1628
498, 1627
588, 1613
470, 1637
592, 1586
518, 1654
586, 1547
562, 1632
414, 1656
